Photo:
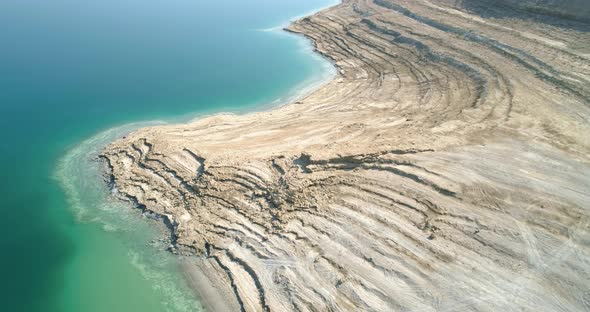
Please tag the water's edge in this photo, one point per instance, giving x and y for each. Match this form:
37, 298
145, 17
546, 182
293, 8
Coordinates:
83, 177
80, 174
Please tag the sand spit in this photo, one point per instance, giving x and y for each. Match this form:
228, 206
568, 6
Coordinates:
445, 168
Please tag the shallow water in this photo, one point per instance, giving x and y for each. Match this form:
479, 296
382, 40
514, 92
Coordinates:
72, 70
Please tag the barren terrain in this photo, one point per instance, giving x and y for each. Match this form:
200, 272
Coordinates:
445, 168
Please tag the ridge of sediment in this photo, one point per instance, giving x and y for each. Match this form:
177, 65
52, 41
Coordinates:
445, 167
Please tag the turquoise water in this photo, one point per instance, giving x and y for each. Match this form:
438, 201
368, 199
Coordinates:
73, 75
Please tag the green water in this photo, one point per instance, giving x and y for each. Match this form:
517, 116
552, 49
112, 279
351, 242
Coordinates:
73, 75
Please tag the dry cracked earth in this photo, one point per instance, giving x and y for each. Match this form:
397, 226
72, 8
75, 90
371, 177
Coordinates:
445, 168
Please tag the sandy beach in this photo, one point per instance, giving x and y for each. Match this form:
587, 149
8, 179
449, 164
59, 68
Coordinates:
446, 167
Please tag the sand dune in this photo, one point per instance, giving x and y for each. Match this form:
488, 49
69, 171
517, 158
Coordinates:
445, 168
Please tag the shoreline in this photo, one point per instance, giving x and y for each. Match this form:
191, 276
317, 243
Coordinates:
301, 91
298, 92
160, 221
210, 292
262, 202
96, 204
281, 27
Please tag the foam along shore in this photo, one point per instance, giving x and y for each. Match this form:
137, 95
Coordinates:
145, 239
445, 167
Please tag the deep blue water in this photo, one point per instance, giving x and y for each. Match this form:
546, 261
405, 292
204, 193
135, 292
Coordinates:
71, 69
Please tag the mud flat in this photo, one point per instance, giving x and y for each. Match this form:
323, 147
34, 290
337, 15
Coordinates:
445, 168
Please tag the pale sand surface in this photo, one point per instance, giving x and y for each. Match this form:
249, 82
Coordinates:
445, 168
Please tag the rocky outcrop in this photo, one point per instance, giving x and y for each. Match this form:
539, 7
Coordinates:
446, 167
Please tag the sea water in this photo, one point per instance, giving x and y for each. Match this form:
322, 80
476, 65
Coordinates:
75, 75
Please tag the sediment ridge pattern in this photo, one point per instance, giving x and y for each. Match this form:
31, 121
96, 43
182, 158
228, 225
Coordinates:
445, 168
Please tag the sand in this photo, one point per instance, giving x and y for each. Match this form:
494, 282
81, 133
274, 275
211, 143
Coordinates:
445, 168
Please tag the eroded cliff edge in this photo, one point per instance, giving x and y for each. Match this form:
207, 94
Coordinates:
446, 167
